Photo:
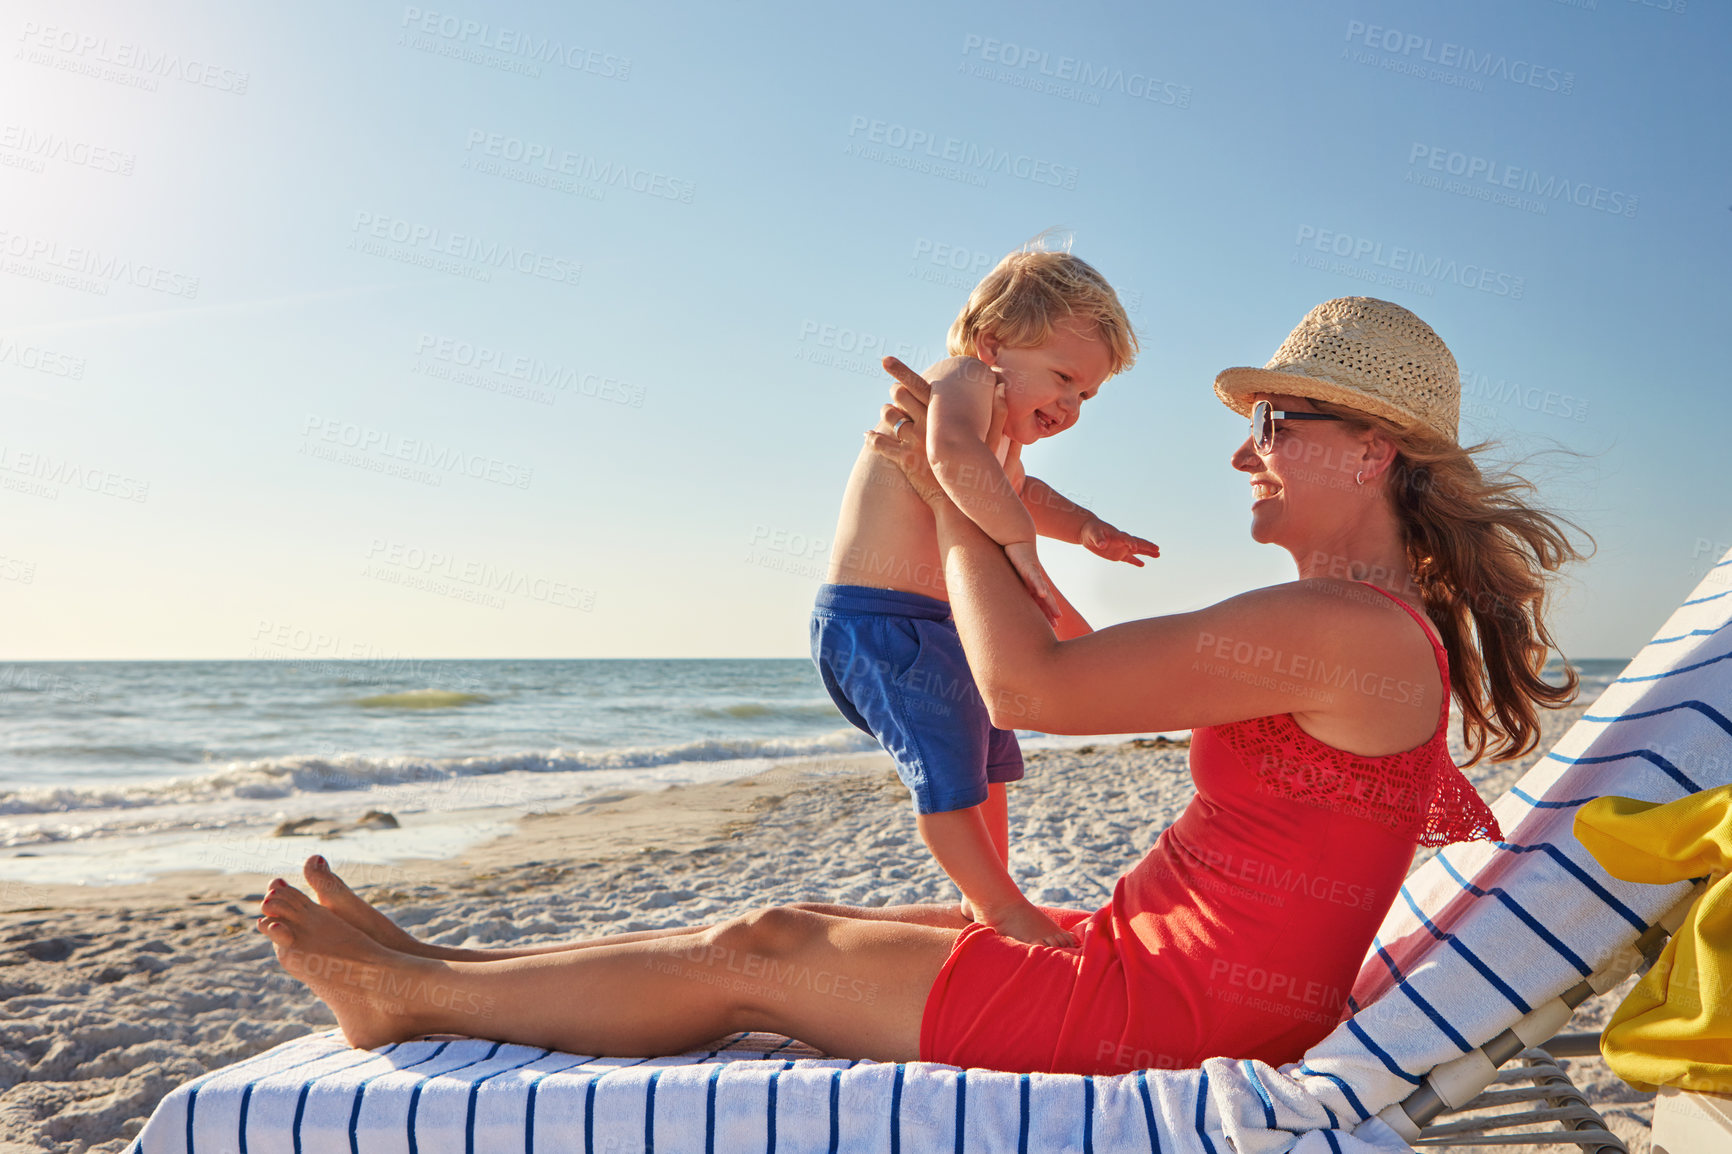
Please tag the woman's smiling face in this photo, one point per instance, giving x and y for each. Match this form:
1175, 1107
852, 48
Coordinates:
1296, 487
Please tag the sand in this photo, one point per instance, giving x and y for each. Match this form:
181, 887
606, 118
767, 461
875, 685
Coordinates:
110, 997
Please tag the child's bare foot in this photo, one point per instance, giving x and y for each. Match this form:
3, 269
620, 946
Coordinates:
377, 994
1026, 923
334, 894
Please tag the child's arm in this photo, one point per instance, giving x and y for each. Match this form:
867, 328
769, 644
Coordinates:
957, 424
964, 848
959, 436
1062, 519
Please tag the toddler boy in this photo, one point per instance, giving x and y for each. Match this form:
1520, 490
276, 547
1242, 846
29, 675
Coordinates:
1050, 329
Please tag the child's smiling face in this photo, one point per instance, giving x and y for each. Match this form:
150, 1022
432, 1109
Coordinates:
1046, 384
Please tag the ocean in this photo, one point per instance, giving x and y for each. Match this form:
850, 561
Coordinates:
118, 771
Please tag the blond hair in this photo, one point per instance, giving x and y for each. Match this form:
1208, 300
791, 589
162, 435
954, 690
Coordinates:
1029, 292
1481, 556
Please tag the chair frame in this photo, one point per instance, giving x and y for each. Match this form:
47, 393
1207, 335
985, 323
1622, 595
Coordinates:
1460, 1085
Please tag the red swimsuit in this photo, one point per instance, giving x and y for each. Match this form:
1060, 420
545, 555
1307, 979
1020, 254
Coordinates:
1241, 931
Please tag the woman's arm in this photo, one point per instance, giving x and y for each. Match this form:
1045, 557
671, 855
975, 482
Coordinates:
1285, 649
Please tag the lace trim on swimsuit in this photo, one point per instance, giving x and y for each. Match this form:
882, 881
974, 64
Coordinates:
1419, 792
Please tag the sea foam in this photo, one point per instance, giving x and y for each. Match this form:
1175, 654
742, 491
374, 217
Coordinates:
285, 777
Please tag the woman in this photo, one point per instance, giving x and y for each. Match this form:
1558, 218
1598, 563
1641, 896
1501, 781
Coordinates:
1319, 709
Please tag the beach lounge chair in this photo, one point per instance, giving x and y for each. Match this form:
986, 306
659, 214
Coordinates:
1482, 939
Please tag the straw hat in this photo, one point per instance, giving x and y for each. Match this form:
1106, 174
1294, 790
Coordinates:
1366, 354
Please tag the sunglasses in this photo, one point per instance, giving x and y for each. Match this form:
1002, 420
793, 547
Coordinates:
1263, 418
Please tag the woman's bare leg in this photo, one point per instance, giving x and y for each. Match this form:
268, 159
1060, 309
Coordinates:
335, 895
849, 986
941, 915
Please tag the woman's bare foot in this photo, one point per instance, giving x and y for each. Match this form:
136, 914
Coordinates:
334, 894
377, 994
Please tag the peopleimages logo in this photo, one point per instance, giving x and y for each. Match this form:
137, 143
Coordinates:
555, 161
1411, 52
428, 245
532, 372
1480, 394
88, 269
52, 470
1496, 177
841, 347
40, 146
327, 437
411, 561
96, 55
38, 359
905, 147
1070, 77
528, 47
1410, 266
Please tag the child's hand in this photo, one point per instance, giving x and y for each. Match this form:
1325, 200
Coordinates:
1115, 544
1027, 565
1026, 923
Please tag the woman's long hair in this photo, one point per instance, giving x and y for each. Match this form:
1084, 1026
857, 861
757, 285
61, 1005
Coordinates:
1479, 555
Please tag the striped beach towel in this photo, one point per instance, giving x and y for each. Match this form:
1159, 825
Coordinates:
1480, 935
758, 1092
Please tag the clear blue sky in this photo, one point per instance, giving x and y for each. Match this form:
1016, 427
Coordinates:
270, 273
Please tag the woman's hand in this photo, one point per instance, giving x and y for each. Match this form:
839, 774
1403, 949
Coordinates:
900, 436
1026, 562
911, 391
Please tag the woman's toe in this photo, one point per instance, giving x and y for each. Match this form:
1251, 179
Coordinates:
324, 882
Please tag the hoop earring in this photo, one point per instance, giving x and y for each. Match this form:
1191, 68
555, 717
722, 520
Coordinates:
1359, 477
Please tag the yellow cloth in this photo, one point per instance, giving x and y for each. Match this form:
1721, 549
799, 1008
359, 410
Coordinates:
1675, 1028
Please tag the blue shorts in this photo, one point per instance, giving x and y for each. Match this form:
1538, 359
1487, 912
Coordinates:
894, 666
